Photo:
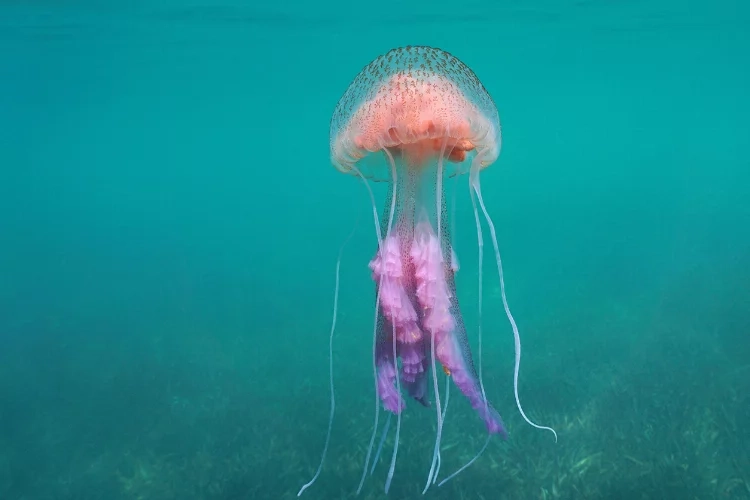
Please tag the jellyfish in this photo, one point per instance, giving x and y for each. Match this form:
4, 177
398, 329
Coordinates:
414, 117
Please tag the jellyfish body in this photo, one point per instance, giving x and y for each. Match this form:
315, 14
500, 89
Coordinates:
429, 117
413, 117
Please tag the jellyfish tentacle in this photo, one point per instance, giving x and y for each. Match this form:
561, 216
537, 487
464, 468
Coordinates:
330, 363
467, 464
516, 336
379, 236
392, 468
445, 410
438, 214
480, 266
383, 436
454, 268
375, 377
393, 324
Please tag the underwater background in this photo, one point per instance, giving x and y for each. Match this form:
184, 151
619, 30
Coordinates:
170, 223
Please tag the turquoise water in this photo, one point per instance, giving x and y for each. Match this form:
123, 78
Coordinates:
170, 223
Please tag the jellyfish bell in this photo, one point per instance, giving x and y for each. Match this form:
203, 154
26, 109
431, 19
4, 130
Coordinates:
412, 117
418, 102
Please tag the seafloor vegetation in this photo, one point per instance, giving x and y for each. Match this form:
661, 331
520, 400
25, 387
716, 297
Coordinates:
650, 398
